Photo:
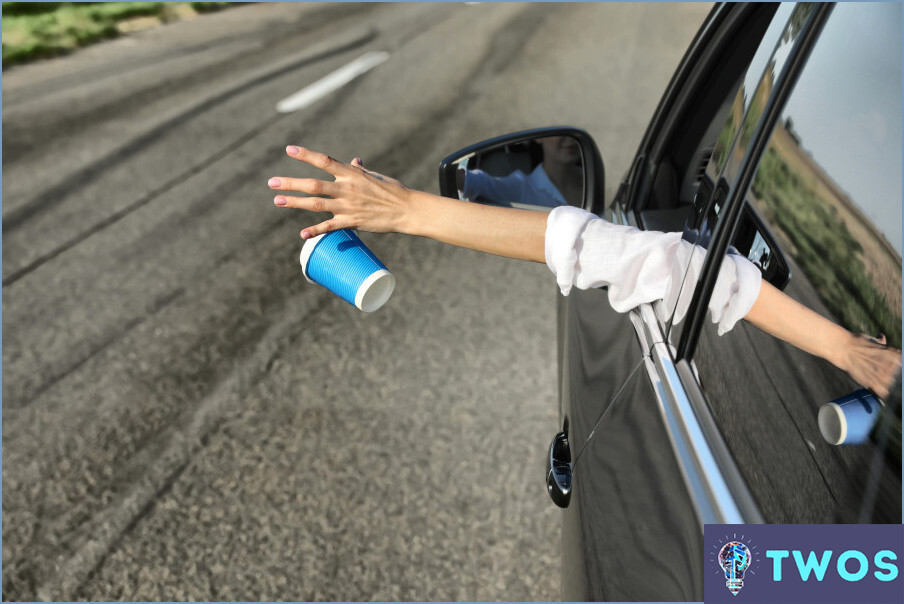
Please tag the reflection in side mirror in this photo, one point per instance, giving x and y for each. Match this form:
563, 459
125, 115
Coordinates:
753, 240
534, 174
536, 169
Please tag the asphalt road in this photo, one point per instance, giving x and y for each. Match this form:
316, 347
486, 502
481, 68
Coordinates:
184, 417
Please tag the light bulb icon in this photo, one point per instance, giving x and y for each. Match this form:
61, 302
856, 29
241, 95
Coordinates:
734, 558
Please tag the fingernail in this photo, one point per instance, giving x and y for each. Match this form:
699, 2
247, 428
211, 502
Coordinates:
280, 200
292, 150
274, 182
305, 235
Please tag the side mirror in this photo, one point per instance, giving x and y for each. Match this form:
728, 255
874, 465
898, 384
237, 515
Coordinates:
534, 169
753, 239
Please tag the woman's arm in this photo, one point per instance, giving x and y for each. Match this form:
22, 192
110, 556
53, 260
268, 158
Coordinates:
361, 199
868, 361
366, 200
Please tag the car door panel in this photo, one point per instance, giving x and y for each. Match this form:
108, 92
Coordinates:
629, 500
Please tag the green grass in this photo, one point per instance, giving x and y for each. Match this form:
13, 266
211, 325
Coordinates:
35, 30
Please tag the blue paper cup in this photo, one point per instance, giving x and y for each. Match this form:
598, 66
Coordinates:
850, 419
340, 262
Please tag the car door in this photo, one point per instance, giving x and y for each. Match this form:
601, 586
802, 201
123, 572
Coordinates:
650, 466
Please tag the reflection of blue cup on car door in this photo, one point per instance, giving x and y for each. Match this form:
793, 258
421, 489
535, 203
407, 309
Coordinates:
850, 419
341, 262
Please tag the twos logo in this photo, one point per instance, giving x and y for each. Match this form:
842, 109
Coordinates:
734, 559
803, 563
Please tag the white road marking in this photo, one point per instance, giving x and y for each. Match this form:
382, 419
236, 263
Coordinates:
339, 78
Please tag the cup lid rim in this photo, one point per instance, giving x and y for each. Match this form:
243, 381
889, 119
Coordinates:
834, 411
306, 250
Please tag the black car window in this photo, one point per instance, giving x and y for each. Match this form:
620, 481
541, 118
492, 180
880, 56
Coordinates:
828, 188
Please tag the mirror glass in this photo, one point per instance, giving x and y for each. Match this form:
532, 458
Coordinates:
537, 174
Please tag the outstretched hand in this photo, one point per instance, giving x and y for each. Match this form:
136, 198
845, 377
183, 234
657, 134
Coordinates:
362, 199
867, 360
871, 363
357, 198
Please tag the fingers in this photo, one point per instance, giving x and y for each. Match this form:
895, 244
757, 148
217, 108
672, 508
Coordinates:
881, 341
312, 186
318, 160
328, 226
874, 365
323, 194
312, 204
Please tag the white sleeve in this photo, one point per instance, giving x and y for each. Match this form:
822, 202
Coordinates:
639, 267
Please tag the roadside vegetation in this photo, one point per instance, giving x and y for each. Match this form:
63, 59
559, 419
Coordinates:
37, 30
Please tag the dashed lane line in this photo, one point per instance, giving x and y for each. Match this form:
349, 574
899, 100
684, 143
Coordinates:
332, 82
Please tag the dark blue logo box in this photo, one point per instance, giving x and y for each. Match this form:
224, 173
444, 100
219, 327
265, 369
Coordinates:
803, 563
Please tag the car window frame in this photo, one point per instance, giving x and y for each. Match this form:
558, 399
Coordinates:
722, 35
720, 25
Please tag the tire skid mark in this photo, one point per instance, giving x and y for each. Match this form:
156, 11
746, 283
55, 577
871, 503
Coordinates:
75, 530
172, 183
249, 168
51, 197
224, 55
108, 526
393, 158
142, 513
180, 443
139, 203
130, 325
305, 23
26, 139
508, 42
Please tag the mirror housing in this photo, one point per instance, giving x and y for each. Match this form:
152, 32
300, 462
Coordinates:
513, 152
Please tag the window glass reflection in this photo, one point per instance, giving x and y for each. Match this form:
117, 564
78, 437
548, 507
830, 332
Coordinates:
828, 188
830, 182
756, 87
